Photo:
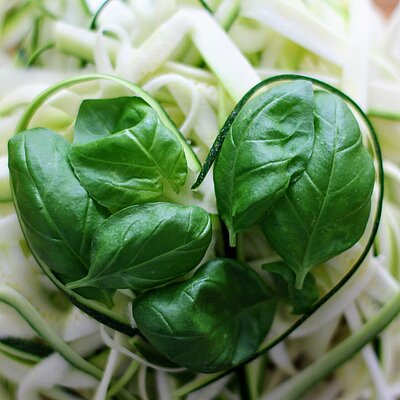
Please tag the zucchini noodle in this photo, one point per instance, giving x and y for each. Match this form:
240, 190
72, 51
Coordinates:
197, 63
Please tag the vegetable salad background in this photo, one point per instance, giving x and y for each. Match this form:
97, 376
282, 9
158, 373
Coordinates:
192, 203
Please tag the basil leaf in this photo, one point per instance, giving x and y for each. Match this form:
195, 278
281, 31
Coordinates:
123, 154
267, 148
214, 321
56, 214
284, 278
146, 351
147, 245
326, 211
100, 118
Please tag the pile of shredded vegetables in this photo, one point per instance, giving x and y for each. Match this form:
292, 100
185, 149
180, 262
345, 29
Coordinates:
197, 59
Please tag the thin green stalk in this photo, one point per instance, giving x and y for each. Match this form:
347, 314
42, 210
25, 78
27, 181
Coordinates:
14, 299
206, 6
26, 357
254, 371
305, 380
45, 10
392, 116
56, 394
34, 42
24, 349
227, 13
39, 52
20, 304
93, 22
85, 8
198, 383
123, 380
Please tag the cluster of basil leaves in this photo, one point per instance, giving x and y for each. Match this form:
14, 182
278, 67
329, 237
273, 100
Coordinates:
93, 213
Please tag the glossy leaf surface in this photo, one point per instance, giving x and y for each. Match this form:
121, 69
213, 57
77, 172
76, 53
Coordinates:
57, 215
284, 279
214, 321
267, 147
148, 245
326, 211
123, 154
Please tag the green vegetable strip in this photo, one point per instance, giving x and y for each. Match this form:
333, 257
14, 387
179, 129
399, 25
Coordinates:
207, 35
233, 69
25, 349
227, 13
39, 325
124, 380
40, 4
93, 308
308, 378
85, 8
93, 23
206, 6
384, 115
38, 52
8, 350
80, 42
23, 124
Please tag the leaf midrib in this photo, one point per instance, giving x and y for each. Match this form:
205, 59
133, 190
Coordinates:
237, 147
128, 268
47, 211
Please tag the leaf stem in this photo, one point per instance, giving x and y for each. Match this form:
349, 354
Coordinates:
229, 246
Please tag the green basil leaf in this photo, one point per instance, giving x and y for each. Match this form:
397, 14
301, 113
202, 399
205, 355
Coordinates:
214, 321
267, 147
284, 279
326, 211
57, 215
149, 353
147, 245
100, 118
123, 154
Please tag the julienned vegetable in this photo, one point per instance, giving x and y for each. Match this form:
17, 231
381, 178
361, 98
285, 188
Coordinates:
89, 215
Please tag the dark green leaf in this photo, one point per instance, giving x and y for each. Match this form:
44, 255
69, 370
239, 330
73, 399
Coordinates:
324, 212
267, 147
214, 321
123, 154
147, 245
149, 353
284, 278
57, 215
